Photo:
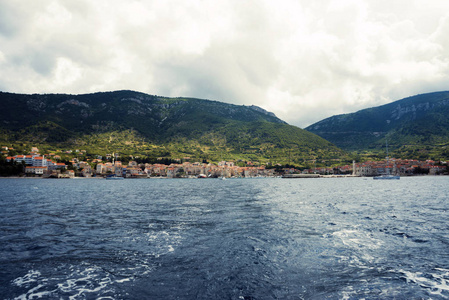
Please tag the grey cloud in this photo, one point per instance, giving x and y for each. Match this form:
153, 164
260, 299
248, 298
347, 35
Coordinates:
12, 18
302, 60
42, 63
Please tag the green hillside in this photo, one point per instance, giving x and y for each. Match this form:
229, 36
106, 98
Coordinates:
138, 124
415, 127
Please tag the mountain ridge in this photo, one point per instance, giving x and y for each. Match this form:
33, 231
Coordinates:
135, 122
409, 124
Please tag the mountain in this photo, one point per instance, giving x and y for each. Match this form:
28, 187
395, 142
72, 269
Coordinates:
140, 124
416, 126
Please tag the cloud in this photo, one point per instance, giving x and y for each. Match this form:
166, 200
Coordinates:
303, 60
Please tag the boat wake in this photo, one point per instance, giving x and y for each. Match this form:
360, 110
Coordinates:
436, 283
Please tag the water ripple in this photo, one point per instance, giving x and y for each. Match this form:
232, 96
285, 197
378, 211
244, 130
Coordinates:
235, 239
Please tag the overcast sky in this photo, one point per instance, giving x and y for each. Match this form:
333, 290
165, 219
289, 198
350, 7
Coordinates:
303, 60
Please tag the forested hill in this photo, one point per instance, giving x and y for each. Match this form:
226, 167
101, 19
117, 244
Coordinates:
138, 123
416, 126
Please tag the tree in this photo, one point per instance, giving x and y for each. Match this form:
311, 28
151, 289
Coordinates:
180, 173
11, 168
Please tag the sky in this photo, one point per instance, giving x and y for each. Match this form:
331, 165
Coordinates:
303, 60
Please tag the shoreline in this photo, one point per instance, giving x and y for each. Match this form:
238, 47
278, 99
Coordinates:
288, 176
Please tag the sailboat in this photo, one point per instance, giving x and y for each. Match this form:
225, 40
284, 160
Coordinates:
387, 174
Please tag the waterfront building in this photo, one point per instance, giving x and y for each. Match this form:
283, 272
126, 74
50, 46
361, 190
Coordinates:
39, 161
38, 170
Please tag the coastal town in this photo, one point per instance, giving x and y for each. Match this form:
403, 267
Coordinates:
48, 165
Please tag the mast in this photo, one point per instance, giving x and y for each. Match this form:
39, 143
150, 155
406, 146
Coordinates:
386, 145
387, 169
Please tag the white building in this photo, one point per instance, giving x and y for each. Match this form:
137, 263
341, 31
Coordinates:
35, 170
364, 170
28, 159
39, 161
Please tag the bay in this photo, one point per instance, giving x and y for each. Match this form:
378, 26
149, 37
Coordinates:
271, 238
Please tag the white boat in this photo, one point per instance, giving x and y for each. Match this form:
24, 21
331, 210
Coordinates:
114, 177
387, 175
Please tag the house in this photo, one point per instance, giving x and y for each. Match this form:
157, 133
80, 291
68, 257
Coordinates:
132, 164
101, 169
171, 172
70, 173
61, 166
38, 170
87, 171
135, 172
156, 170
83, 164
364, 170
105, 168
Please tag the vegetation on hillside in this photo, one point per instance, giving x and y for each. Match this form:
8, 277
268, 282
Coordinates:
149, 127
416, 127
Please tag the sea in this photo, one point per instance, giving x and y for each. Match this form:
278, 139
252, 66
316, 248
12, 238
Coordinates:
260, 238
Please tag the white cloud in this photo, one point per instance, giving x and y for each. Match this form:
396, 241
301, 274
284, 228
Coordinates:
66, 72
303, 60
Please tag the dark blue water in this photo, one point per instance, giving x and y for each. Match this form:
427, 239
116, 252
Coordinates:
336, 238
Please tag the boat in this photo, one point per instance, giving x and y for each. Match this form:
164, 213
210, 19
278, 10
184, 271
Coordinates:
387, 175
114, 177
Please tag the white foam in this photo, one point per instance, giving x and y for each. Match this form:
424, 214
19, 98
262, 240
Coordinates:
31, 277
435, 284
349, 293
359, 247
358, 239
79, 283
31, 294
165, 242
